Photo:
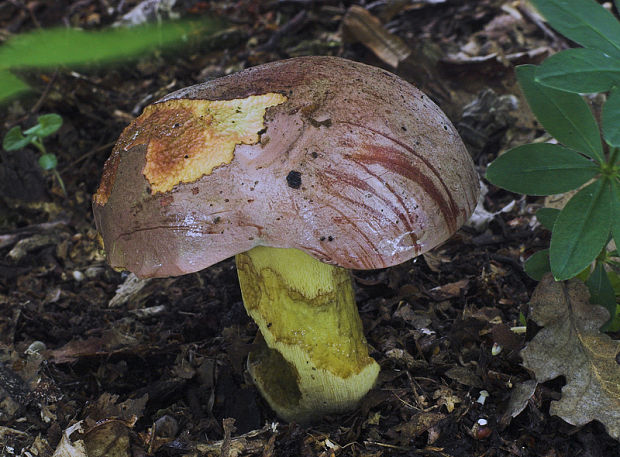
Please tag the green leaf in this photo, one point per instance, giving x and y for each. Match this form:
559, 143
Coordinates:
614, 324
46, 125
581, 230
541, 169
564, 115
601, 291
537, 265
547, 217
48, 161
614, 279
615, 219
10, 85
68, 46
583, 21
580, 70
611, 118
14, 139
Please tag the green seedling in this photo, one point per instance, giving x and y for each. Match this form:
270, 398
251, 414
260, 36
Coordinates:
46, 125
583, 229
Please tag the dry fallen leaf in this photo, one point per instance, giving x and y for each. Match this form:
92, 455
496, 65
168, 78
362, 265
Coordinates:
464, 376
571, 345
449, 290
418, 424
519, 398
446, 397
107, 407
360, 25
71, 447
111, 340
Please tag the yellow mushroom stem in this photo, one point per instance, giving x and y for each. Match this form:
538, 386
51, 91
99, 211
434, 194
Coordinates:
314, 357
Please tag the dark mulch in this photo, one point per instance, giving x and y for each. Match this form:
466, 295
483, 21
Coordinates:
172, 357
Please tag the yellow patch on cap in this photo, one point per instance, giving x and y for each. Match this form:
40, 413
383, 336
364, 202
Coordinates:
187, 139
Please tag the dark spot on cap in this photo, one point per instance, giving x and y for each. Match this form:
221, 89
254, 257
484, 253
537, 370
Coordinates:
330, 238
314, 154
195, 190
293, 179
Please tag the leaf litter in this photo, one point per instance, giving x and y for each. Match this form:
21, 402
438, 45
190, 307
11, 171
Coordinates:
157, 368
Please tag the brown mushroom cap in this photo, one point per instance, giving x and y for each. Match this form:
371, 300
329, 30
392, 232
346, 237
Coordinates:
344, 161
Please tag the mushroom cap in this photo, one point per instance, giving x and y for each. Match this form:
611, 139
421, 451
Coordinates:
342, 160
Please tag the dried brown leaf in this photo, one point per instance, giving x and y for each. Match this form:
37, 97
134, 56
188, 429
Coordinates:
519, 398
449, 290
109, 438
506, 338
446, 397
107, 407
110, 341
362, 26
417, 425
70, 446
571, 345
464, 376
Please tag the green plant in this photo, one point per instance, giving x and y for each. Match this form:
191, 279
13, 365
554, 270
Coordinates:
582, 230
46, 125
73, 47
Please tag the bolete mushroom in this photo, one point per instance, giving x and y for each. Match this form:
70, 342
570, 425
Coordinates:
302, 169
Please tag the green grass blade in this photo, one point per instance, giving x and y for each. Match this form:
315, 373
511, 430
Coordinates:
580, 71
581, 230
564, 115
541, 169
67, 46
11, 85
611, 119
583, 21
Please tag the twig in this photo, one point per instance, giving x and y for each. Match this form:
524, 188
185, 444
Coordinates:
86, 156
46, 91
289, 28
229, 429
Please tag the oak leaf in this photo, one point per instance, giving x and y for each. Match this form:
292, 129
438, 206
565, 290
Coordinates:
571, 345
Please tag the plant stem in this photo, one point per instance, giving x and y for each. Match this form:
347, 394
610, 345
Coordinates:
39, 145
314, 358
60, 182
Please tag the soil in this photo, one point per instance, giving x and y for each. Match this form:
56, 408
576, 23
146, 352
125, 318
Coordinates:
161, 370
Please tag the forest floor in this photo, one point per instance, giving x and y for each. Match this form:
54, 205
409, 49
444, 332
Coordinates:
160, 369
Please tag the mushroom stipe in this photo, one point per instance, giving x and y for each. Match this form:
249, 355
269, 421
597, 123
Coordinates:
301, 177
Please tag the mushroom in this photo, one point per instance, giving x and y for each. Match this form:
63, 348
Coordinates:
303, 169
